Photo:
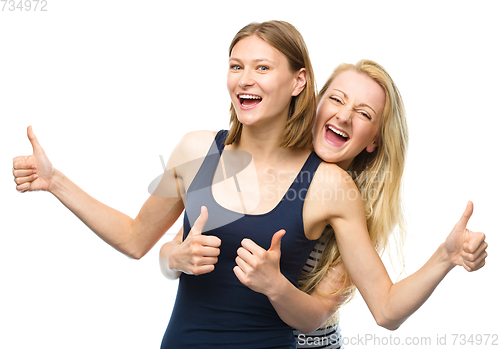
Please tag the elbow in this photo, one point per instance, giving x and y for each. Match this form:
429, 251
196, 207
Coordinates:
307, 329
387, 318
312, 326
388, 324
311, 329
133, 249
133, 252
390, 327
135, 255
132, 245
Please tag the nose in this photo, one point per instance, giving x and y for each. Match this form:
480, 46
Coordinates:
344, 115
246, 79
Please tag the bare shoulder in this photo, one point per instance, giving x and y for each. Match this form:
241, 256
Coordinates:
326, 198
331, 176
187, 157
192, 146
336, 192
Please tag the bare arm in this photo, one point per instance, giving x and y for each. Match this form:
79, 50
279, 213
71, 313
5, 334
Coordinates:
133, 237
391, 304
309, 311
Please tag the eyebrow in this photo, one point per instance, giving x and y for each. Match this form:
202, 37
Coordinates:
359, 105
257, 60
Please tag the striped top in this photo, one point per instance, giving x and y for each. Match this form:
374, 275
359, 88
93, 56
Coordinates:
329, 337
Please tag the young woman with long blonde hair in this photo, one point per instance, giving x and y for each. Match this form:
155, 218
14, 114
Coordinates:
374, 160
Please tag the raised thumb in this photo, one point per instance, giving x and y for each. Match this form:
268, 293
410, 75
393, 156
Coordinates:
34, 142
276, 241
200, 222
462, 223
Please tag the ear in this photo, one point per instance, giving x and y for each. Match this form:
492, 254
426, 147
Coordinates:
300, 82
371, 148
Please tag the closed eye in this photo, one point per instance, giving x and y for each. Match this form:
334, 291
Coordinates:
333, 98
366, 115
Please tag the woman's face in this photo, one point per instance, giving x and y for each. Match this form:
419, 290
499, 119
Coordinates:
349, 117
260, 82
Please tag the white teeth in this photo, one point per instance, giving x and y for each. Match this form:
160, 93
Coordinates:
249, 97
343, 134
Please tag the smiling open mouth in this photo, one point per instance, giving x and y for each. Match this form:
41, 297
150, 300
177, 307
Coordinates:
249, 101
335, 137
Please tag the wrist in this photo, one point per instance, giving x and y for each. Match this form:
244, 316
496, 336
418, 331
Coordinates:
172, 262
165, 264
55, 182
279, 288
444, 258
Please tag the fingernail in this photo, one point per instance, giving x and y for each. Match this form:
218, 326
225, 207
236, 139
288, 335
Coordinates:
32, 166
34, 171
36, 176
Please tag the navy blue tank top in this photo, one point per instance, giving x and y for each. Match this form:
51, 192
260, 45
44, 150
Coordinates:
216, 310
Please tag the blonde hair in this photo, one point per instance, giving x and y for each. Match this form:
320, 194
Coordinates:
285, 38
378, 177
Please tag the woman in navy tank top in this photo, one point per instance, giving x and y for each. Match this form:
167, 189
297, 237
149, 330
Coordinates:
271, 106
271, 85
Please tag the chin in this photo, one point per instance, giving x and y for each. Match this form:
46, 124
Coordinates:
325, 154
246, 120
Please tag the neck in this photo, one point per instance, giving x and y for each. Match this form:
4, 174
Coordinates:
344, 164
263, 144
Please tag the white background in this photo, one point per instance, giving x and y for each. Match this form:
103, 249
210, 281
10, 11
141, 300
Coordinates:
110, 85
